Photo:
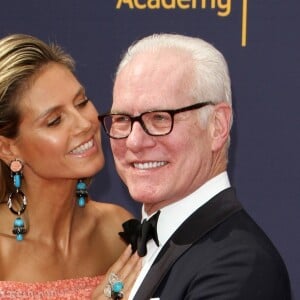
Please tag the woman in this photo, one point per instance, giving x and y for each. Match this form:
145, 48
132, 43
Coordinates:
55, 242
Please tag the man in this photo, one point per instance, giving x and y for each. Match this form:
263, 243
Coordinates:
169, 127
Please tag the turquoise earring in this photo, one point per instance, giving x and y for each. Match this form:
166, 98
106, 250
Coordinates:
81, 193
19, 229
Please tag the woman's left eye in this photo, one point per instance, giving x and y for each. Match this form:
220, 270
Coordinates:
83, 102
54, 122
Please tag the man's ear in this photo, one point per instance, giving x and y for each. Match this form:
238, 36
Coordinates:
220, 125
7, 150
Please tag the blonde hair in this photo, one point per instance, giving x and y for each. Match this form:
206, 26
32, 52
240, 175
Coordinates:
21, 57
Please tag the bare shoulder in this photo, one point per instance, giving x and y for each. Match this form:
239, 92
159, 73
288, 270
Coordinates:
108, 216
107, 223
110, 211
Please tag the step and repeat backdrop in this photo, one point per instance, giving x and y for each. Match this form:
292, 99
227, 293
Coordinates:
260, 40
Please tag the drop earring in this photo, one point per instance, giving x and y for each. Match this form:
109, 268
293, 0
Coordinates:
19, 229
81, 193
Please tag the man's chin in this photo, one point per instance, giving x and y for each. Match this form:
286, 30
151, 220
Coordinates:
141, 196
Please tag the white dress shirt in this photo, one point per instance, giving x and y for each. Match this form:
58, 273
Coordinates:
173, 215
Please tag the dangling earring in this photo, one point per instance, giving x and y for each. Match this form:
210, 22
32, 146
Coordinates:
19, 229
81, 193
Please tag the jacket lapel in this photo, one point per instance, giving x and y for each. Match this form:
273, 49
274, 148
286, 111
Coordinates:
214, 212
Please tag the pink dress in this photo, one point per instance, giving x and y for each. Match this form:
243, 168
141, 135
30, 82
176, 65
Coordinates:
71, 289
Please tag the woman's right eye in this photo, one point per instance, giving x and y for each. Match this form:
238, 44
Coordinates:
54, 122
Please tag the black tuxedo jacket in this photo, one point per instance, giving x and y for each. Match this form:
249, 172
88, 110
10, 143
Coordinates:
218, 253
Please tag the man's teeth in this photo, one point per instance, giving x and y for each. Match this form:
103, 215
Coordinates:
83, 148
149, 165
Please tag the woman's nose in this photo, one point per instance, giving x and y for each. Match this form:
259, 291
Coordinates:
81, 122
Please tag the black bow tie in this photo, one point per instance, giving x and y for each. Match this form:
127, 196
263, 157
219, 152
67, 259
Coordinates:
138, 234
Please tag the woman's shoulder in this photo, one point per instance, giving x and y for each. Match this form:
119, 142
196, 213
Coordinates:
109, 210
108, 217
107, 223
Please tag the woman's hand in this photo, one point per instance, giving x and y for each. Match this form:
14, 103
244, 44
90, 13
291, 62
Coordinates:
126, 268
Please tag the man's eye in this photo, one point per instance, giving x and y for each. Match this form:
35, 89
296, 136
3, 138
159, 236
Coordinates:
54, 122
160, 116
121, 119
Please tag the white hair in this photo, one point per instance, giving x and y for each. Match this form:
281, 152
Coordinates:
212, 80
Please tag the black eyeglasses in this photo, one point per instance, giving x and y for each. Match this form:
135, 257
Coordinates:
155, 123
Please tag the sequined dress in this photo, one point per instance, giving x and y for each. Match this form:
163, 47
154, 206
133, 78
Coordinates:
67, 289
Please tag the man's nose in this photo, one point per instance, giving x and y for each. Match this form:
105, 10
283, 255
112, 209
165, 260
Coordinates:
139, 138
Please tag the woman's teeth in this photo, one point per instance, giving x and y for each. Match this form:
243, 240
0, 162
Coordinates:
82, 148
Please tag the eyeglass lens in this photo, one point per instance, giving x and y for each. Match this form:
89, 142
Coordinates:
155, 123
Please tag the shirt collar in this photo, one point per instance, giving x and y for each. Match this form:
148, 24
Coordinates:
174, 214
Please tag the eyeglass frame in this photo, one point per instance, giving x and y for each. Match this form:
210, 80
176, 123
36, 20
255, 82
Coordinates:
171, 112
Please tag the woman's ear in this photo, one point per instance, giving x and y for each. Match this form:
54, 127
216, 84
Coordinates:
6, 150
221, 123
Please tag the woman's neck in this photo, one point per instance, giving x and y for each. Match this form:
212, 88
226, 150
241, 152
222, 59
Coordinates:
51, 211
